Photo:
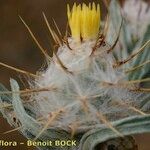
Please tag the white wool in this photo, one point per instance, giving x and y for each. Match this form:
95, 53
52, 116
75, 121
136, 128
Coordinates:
80, 90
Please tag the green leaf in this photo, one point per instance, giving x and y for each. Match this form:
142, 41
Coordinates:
128, 126
145, 55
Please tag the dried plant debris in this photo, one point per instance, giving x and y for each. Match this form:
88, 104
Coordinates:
121, 144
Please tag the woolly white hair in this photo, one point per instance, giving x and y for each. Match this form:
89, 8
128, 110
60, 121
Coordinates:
88, 85
82, 87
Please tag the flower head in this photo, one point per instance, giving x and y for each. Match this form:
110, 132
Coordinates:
84, 21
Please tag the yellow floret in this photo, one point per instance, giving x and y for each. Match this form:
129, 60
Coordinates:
84, 21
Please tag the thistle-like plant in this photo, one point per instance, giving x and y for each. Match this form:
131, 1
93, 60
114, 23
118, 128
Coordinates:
93, 88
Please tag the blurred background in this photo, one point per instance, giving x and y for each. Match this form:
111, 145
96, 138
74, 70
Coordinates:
18, 49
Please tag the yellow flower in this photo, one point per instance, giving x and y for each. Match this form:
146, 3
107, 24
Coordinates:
84, 21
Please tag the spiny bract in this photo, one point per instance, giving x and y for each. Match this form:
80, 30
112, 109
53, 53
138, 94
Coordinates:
83, 85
